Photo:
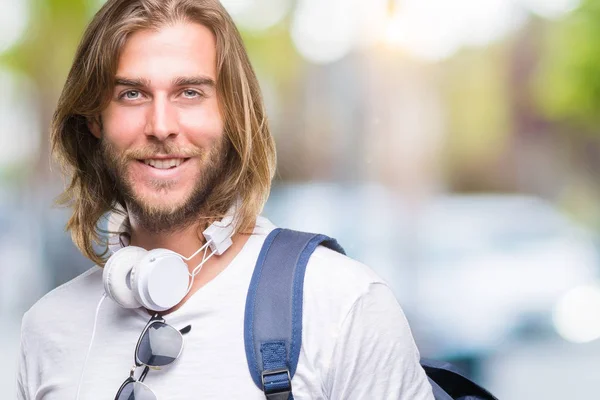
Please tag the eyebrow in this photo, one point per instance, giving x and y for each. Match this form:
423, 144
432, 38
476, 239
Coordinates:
178, 81
133, 82
193, 81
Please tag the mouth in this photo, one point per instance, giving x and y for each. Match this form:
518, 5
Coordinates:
164, 163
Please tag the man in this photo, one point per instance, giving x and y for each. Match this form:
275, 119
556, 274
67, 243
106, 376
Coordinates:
161, 116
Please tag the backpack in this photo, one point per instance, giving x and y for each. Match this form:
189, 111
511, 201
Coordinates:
273, 321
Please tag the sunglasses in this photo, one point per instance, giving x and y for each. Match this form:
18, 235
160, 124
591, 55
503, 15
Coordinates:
159, 345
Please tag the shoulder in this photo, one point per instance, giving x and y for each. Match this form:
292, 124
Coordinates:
335, 283
353, 327
339, 275
60, 307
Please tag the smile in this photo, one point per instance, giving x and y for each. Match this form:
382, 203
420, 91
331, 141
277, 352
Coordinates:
164, 163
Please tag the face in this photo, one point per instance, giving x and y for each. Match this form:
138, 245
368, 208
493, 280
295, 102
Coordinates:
162, 133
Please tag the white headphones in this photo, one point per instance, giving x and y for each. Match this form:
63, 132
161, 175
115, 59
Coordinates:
157, 279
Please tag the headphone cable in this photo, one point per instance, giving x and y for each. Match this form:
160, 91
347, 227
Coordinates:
90, 347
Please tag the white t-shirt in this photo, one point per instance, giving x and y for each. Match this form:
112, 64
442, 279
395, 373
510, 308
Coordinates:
356, 342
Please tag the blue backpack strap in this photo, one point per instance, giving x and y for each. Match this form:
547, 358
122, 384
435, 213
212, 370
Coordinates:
273, 319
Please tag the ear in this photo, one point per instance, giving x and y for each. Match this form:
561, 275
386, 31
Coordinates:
94, 124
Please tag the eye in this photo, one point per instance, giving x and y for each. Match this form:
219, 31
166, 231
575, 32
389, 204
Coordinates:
130, 95
191, 93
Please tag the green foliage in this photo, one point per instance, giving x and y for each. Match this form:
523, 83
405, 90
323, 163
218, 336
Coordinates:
476, 93
567, 87
272, 53
46, 50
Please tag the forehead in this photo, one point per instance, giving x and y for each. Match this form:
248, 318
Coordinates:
179, 49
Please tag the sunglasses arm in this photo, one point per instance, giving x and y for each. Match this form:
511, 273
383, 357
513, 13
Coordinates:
143, 374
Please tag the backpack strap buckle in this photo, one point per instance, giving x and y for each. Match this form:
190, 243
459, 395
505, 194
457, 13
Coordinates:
277, 384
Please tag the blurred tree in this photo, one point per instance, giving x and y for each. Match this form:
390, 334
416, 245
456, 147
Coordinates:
44, 54
567, 87
476, 87
567, 92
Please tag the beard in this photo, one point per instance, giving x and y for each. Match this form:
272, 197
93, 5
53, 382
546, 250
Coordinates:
164, 218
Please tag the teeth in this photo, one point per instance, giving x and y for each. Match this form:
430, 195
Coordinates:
165, 163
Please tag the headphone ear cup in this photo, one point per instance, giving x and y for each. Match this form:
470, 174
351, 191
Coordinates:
116, 276
160, 280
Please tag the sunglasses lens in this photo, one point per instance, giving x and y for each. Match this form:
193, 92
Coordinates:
135, 391
160, 345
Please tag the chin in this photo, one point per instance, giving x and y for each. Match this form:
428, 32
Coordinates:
164, 203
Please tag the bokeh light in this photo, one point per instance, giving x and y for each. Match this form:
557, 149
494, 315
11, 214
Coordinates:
13, 22
324, 32
436, 29
257, 15
551, 8
577, 314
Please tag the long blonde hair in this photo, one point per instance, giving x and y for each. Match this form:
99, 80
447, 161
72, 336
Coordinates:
91, 191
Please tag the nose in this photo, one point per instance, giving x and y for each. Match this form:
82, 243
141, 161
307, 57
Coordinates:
162, 122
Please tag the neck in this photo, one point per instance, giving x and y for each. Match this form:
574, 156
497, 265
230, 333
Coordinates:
184, 241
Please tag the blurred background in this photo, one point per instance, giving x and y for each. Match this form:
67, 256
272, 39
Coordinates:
453, 146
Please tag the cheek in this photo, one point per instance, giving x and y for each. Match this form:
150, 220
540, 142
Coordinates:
205, 125
122, 126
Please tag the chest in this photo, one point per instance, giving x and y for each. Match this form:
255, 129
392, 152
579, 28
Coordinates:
212, 364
